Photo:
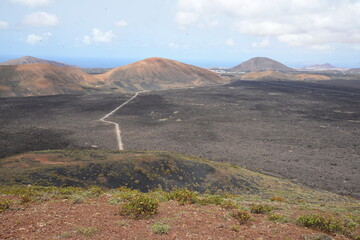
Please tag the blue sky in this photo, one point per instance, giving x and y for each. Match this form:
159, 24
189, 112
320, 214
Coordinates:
206, 33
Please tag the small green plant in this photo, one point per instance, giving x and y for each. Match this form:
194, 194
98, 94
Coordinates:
160, 228
235, 228
4, 205
87, 231
211, 199
78, 200
122, 194
183, 196
242, 216
139, 206
326, 224
277, 218
92, 192
260, 209
25, 198
228, 204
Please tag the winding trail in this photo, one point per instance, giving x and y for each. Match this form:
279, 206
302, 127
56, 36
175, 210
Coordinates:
117, 128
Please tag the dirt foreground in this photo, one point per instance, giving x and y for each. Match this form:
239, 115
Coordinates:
98, 219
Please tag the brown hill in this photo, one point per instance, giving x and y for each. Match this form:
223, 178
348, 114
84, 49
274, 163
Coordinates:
42, 79
30, 60
261, 64
273, 75
159, 73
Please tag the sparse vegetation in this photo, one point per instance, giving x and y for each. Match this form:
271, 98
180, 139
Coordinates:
260, 209
87, 231
277, 218
242, 216
139, 206
4, 205
277, 199
183, 196
160, 228
326, 224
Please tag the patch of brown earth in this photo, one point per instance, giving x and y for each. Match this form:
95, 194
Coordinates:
42, 79
160, 73
282, 76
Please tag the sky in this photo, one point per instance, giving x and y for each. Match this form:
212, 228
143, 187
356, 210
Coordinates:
206, 33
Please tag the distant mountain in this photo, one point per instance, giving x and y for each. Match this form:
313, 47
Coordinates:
159, 73
30, 60
42, 79
275, 75
261, 64
319, 67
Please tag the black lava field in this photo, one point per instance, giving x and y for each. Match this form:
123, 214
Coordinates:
306, 132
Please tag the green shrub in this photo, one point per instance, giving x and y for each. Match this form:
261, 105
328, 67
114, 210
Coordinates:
242, 216
139, 206
211, 199
326, 224
4, 205
92, 192
228, 204
26, 198
260, 209
160, 228
123, 194
235, 228
277, 218
182, 196
78, 200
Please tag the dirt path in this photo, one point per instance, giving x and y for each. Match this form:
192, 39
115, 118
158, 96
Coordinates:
117, 128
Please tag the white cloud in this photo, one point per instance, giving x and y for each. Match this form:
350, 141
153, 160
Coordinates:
186, 18
33, 3
40, 19
230, 42
121, 23
3, 25
213, 23
173, 45
263, 43
34, 38
98, 36
310, 23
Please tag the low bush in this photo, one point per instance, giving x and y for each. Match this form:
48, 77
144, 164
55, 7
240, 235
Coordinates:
160, 228
277, 218
211, 199
182, 196
4, 205
326, 224
139, 206
260, 209
242, 216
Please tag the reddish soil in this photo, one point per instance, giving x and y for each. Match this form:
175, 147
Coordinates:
155, 72
62, 219
284, 76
